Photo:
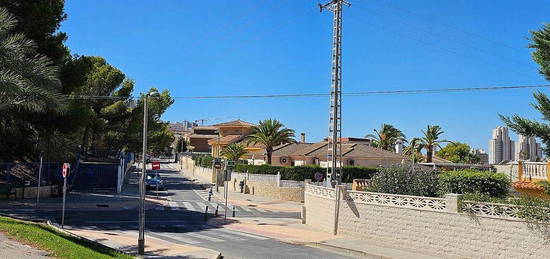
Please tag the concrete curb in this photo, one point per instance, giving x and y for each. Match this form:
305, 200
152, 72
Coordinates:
344, 250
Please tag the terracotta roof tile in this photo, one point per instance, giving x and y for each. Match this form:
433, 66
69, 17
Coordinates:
235, 123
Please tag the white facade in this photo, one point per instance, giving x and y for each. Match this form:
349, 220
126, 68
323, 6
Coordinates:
399, 147
500, 146
528, 149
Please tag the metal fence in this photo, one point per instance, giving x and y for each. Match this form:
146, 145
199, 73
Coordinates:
26, 174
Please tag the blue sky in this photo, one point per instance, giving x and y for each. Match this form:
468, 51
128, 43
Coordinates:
222, 47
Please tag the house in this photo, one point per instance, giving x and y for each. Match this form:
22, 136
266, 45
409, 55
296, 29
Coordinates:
355, 152
199, 136
282, 154
231, 132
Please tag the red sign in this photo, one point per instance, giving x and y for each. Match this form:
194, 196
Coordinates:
156, 165
65, 170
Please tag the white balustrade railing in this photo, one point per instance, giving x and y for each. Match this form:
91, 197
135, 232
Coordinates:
534, 170
493, 210
499, 210
320, 191
396, 200
405, 201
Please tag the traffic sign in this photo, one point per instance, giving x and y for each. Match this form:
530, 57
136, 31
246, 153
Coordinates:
318, 176
217, 163
65, 170
156, 165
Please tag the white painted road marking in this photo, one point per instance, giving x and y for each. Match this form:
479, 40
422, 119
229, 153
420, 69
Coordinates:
213, 239
177, 237
188, 206
234, 232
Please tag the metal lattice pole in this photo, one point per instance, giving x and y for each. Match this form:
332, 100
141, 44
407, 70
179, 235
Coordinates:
334, 147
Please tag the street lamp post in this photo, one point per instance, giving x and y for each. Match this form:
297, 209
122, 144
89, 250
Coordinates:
141, 236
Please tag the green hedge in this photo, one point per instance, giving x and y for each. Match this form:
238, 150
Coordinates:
204, 161
300, 173
404, 180
472, 181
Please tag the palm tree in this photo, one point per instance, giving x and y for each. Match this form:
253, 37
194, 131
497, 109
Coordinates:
431, 140
413, 150
386, 137
233, 151
270, 133
28, 81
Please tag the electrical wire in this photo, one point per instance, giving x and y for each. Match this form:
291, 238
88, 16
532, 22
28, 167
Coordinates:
431, 21
435, 46
445, 37
364, 93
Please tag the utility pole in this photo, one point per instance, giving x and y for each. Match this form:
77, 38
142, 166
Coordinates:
334, 147
141, 234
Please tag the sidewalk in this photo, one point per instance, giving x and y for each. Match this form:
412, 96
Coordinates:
84, 201
12, 249
292, 230
125, 241
241, 199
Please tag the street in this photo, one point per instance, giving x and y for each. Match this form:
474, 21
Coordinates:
177, 217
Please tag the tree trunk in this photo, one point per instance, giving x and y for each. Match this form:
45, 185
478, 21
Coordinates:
269, 152
429, 154
85, 141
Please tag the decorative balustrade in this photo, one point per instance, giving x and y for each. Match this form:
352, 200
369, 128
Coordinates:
405, 201
493, 210
320, 191
535, 170
498, 210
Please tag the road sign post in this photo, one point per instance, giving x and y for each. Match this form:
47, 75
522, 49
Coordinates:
65, 172
227, 177
39, 180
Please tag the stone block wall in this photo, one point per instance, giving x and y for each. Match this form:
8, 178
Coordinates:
441, 233
268, 187
195, 172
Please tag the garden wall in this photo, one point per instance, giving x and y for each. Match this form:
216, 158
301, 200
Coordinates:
196, 172
270, 186
428, 225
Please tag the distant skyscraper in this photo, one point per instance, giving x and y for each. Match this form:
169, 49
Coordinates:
528, 149
500, 146
483, 157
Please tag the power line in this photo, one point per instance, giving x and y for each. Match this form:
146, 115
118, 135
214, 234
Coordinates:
363, 93
366, 93
430, 20
446, 37
435, 46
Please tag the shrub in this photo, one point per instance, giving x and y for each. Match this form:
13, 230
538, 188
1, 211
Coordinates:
472, 181
358, 172
300, 173
405, 180
546, 186
204, 161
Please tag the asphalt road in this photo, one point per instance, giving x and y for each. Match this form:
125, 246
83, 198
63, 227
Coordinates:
182, 222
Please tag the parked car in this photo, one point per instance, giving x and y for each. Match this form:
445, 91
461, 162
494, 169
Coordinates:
153, 180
